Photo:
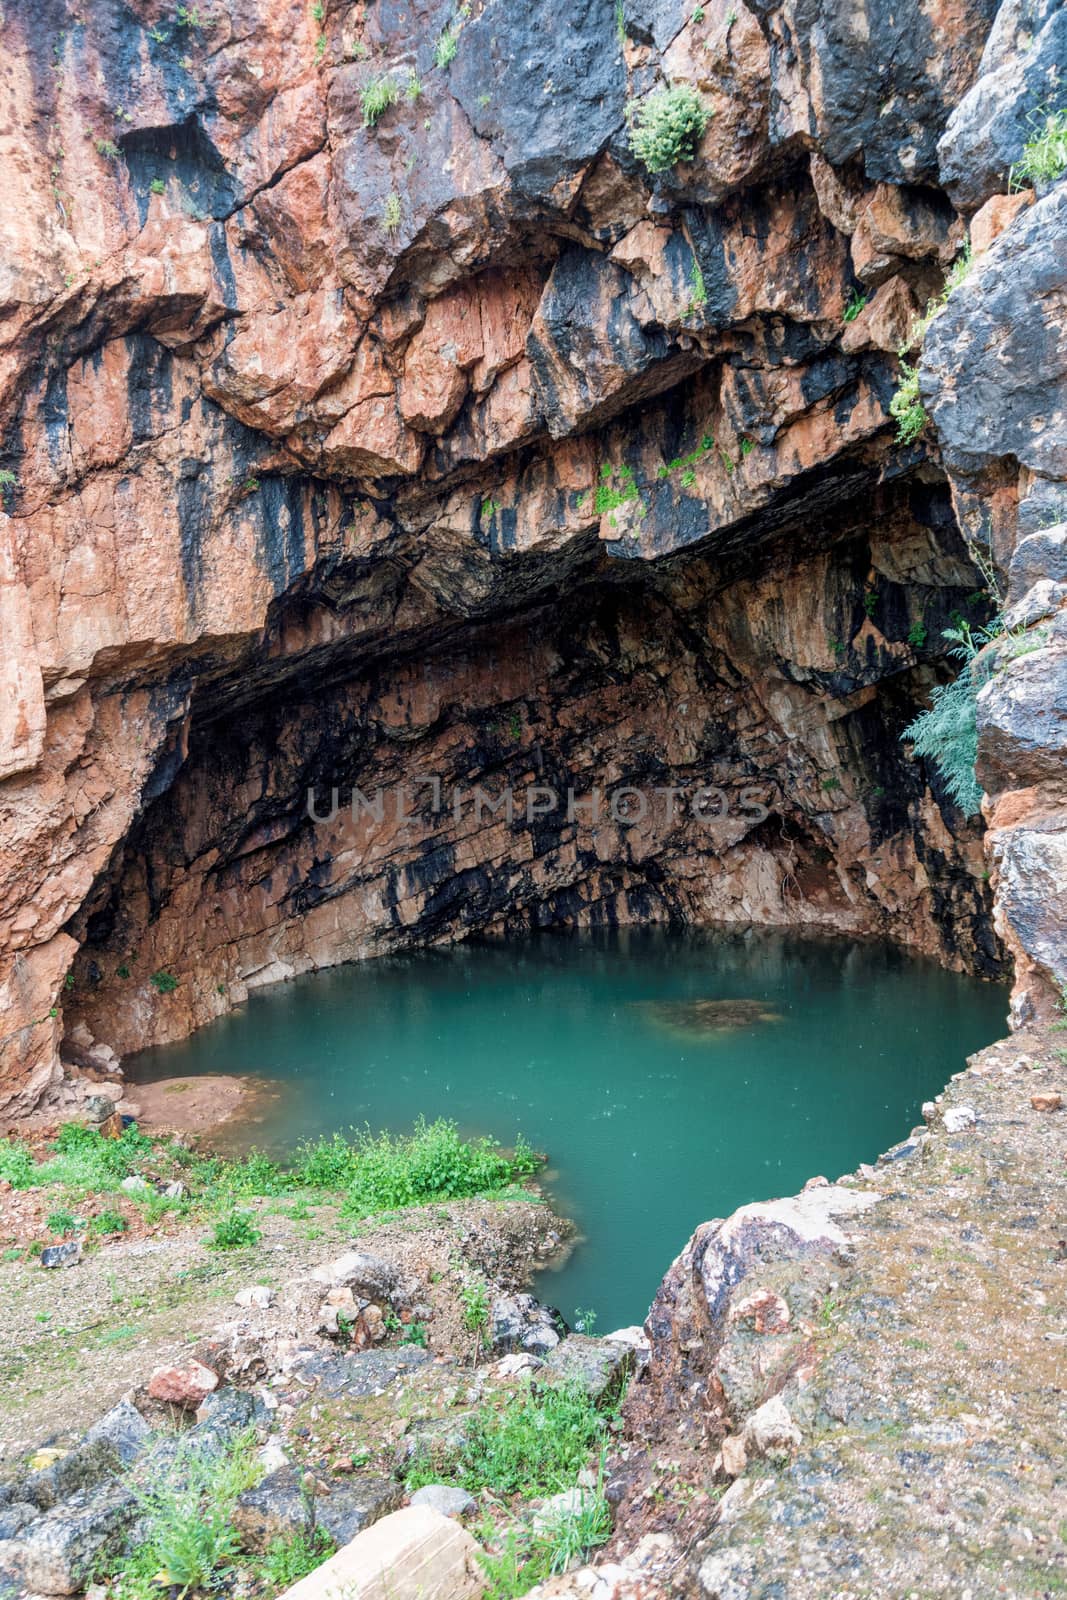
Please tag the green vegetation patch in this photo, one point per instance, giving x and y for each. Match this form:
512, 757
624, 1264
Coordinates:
536, 1443
667, 127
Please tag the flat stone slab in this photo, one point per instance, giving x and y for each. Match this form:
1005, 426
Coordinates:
414, 1554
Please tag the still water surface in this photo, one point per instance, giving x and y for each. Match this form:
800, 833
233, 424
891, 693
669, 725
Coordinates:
658, 1105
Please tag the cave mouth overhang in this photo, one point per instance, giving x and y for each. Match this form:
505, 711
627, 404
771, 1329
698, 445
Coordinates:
776, 667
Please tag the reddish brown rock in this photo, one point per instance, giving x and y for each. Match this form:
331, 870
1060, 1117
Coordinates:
182, 1386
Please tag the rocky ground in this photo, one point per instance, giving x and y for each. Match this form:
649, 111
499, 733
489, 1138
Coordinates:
863, 1391
74, 1341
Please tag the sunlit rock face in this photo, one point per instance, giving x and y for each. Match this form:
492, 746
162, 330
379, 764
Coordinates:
344, 452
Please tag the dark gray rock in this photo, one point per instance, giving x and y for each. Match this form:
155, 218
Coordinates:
287, 1503
519, 1322
364, 1372
124, 1429
596, 1365
279, 1507
14, 1515
56, 1554
1040, 557
987, 130
994, 367
354, 1504
883, 89
81, 1468
546, 85
67, 1254
225, 1414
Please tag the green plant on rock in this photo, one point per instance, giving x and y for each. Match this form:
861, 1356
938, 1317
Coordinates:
699, 297
157, 186
1044, 157
855, 305
391, 213
535, 1443
906, 408
108, 149
917, 635
377, 95
413, 87
186, 1540
163, 982
667, 127
527, 1557
444, 52
947, 733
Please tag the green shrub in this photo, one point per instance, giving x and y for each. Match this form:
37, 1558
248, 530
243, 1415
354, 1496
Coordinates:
84, 1162
535, 1443
433, 1163
157, 186
108, 1222
528, 1558
17, 1166
917, 635
1044, 157
62, 1222
286, 1561
906, 409
668, 126
377, 96
235, 1231
186, 1538
163, 982
475, 1300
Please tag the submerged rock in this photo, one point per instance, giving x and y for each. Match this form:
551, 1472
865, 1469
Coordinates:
707, 1018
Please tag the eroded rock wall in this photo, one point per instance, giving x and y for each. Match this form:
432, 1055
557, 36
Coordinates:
328, 439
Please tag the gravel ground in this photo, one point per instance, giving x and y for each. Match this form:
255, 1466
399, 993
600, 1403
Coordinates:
74, 1340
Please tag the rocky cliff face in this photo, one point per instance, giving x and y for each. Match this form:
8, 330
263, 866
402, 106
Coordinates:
345, 448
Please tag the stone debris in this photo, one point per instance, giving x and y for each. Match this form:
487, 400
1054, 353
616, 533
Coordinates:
1046, 1102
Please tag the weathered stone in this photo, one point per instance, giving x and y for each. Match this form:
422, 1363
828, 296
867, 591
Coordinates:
57, 1553
519, 1322
1046, 1102
445, 1498
67, 1254
414, 1554
182, 1386
280, 1506
1022, 70
596, 1365
770, 1430
124, 1428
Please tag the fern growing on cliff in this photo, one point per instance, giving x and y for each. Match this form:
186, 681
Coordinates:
947, 733
668, 126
